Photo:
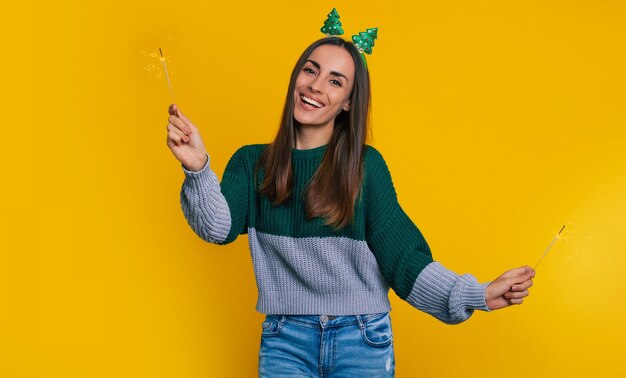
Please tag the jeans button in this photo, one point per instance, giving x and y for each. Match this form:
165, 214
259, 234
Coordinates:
324, 318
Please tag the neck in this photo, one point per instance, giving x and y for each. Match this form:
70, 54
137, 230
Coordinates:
308, 136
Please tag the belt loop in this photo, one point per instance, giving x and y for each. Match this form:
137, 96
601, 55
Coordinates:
360, 321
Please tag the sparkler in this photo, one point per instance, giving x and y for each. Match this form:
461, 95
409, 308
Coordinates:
166, 75
550, 246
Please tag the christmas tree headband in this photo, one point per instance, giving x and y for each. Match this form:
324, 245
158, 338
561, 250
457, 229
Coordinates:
364, 41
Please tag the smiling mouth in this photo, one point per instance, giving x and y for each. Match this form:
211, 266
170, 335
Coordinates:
311, 102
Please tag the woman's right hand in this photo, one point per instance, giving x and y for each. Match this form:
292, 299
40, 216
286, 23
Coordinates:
509, 288
183, 138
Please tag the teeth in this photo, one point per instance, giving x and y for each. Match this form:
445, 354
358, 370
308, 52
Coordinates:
312, 102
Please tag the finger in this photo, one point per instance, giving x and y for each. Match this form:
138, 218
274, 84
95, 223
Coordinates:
179, 124
515, 295
173, 128
173, 139
515, 301
171, 142
522, 286
173, 136
171, 110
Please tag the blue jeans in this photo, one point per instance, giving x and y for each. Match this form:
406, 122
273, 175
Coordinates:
326, 346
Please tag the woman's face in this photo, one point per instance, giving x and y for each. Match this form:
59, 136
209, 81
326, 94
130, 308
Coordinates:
323, 86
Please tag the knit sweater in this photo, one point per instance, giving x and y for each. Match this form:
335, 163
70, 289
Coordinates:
306, 267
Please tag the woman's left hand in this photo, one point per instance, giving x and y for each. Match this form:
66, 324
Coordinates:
509, 288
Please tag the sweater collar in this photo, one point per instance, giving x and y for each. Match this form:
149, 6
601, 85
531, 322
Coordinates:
310, 153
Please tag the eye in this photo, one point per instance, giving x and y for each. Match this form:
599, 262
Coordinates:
307, 69
336, 82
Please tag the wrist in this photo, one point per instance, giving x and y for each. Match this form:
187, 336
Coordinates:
487, 295
199, 164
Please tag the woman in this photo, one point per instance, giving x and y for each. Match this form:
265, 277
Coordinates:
327, 235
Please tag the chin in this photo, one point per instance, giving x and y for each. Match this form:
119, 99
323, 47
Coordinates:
313, 122
302, 120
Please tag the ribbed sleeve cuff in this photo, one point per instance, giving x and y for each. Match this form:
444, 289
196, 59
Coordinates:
470, 294
204, 205
449, 297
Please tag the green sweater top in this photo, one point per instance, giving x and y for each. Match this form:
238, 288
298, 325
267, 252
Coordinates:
305, 267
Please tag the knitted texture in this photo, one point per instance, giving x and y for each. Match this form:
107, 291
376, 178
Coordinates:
304, 266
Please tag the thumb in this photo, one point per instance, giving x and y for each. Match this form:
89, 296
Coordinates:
517, 272
520, 274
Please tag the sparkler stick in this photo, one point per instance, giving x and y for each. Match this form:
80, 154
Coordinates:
167, 75
550, 246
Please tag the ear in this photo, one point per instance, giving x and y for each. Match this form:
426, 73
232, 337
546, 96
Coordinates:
346, 107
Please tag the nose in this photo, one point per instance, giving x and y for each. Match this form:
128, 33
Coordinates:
314, 85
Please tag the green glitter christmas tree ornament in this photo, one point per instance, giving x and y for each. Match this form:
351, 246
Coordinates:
365, 40
332, 25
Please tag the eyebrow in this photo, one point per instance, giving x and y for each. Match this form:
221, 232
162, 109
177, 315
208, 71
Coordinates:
317, 65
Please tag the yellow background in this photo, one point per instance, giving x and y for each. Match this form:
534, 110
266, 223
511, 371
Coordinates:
500, 122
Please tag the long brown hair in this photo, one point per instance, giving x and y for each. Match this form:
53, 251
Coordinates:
332, 190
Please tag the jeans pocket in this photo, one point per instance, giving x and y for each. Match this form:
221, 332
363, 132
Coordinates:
377, 331
272, 325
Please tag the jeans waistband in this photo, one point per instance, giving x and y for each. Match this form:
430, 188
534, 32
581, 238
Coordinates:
328, 320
